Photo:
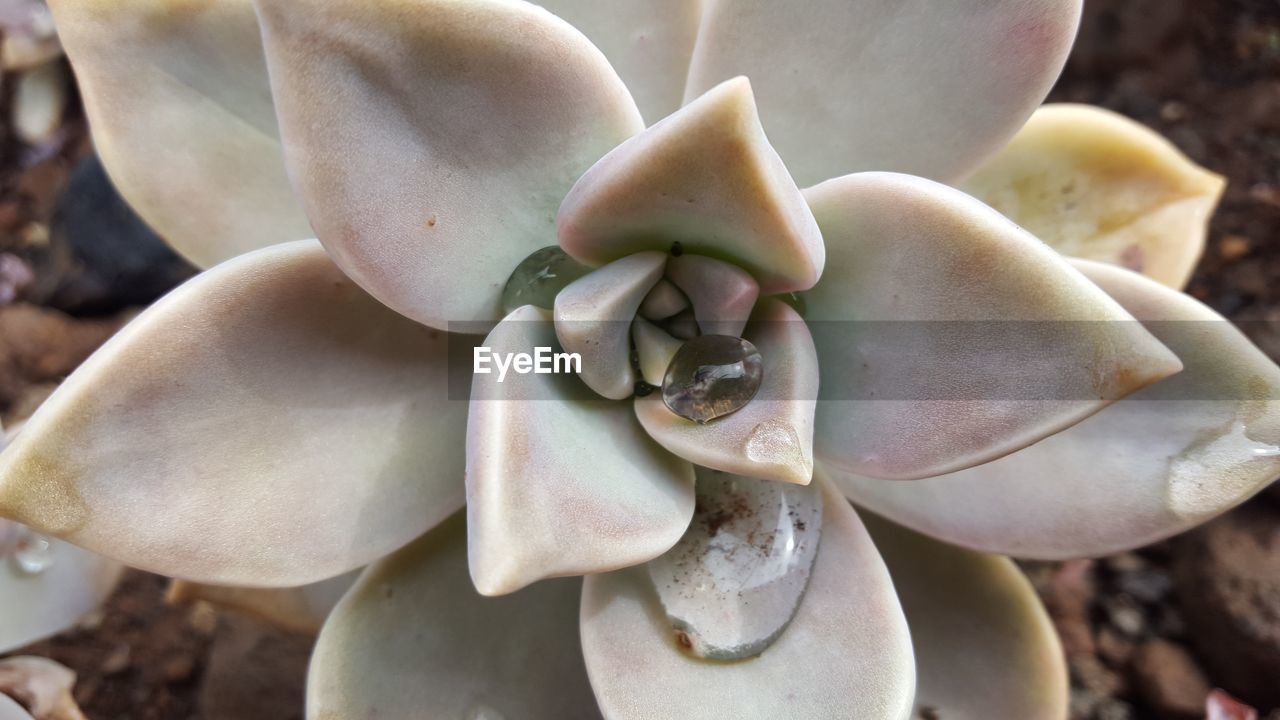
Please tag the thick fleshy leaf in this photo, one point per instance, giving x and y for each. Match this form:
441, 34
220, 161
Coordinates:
663, 301
593, 319
11, 710
948, 336
177, 96
647, 41
707, 178
34, 605
847, 653
722, 294
654, 350
413, 640
267, 423
560, 482
984, 645
432, 140
300, 609
911, 86
1096, 185
772, 436
1150, 466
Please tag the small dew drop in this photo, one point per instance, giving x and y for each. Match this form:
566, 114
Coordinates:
33, 553
774, 441
539, 278
1266, 452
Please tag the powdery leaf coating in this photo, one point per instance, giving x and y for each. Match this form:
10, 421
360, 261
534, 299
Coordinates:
433, 140
948, 336
847, 653
705, 177
984, 645
1150, 466
1096, 185
267, 423
647, 41
300, 609
559, 481
772, 436
910, 86
412, 640
178, 100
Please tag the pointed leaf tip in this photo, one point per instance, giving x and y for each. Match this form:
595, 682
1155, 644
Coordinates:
245, 428
707, 178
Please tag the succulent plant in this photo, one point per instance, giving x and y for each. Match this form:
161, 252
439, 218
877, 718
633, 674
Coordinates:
883, 336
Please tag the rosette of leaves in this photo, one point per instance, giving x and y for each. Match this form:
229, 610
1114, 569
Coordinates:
287, 417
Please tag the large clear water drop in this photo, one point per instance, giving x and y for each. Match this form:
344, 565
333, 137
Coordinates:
734, 581
712, 376
539, 278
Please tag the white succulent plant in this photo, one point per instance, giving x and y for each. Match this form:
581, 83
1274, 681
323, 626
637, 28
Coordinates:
286, 416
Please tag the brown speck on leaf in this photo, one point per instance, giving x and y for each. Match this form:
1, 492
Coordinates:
683, 640
431, 220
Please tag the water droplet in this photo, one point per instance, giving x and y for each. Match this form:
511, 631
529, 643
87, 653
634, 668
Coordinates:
32, 553
1272, 451
775, 442
734, 581
480, 711
539, 278
712, 376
